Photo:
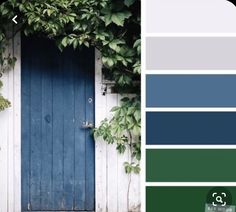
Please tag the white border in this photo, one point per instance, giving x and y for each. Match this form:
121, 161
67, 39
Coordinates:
221, 35
189, 109
192, 184
191, 147
191, 72
143, 105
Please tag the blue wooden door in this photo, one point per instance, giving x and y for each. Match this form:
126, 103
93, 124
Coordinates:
57, 152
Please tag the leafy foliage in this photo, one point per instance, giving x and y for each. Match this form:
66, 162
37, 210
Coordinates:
112, 26
6, 62
4, 103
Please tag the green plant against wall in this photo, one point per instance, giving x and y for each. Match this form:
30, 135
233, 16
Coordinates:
111, 26
6, 63
4, 103
123, 130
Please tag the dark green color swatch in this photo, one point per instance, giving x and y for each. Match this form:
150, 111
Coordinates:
191, 165
182, 199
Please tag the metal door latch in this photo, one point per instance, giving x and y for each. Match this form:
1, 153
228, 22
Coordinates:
29, 207
87, 125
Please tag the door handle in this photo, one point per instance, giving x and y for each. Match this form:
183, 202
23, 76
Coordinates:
87, 125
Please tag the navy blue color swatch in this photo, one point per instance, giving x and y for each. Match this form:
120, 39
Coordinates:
191, 90
190, 128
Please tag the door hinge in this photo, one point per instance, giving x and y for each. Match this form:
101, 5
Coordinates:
29, 207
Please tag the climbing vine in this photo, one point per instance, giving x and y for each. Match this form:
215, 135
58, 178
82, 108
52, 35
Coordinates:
123, 129
4, 103
111, 26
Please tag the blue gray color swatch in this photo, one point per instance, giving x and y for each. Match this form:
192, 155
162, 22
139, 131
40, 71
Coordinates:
191, 90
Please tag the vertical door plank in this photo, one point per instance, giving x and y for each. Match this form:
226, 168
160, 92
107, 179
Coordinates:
26, 123
89, 154
58, 144
36, 129
69, 135
47, 120
80, 190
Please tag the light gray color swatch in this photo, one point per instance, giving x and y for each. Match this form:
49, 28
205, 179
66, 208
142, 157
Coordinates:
191, 53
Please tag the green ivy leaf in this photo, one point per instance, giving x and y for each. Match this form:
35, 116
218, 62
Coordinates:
128, 3
64, 41
115, 44
114, 109
107, 19
119, 18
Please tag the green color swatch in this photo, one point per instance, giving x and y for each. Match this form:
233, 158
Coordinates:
191, 165
185, 199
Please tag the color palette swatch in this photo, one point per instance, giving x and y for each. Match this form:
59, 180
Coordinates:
190, 113
190, 53
191, 90
184, 199
190, 165
191, 128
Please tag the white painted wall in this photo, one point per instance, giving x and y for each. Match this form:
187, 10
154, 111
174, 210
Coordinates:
10, 134
111, 180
